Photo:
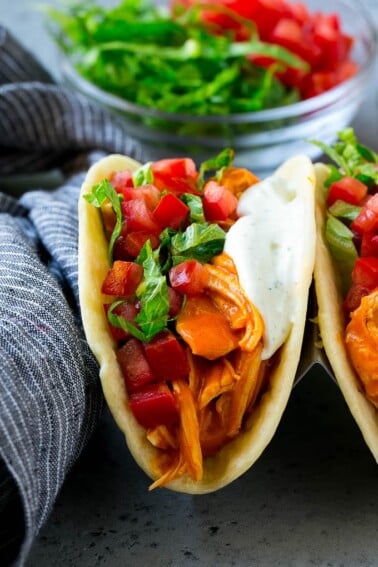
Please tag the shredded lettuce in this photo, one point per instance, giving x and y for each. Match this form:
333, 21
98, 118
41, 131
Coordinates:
100, 193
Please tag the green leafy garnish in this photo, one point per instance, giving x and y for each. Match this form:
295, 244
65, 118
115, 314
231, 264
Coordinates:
351, 158
340, 241
216, 164
153, 295
143, 175
194, 203
122, 322
169, 62
200, 241
100, 193
344, 211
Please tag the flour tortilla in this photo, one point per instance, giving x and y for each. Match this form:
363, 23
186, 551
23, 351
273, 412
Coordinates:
332, 325
238, 456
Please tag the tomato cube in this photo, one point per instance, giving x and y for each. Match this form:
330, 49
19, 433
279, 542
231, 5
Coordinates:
290, 34
369, 244
130, 245
365, 272
126, 310
166, 356
134, 365
354, 296
175, 167
147, 193
154, 405
175, 302
122, 279
139, 217
347, 189
177, 174
367, 220
170, 211
188, 277
218, 202
121, 179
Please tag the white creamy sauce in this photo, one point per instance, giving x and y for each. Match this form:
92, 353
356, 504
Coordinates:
267, 245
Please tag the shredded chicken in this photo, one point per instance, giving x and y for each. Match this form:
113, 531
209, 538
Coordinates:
361, 340
220, 391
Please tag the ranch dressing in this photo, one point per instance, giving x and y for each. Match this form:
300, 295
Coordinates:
266, 245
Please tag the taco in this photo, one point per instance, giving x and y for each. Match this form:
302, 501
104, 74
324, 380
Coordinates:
346, 275
193, 291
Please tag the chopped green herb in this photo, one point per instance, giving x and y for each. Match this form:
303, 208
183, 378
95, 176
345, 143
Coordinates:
194, 203
153, 295
143, 175
100, 193
150, 57
122, 322
340, 241
200, 241
351, 157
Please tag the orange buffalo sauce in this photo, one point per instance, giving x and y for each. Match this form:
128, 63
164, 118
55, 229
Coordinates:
223, 331
361, 340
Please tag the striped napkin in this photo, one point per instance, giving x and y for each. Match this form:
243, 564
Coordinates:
50, 397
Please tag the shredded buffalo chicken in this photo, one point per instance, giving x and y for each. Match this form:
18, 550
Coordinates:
362, 344
223, 331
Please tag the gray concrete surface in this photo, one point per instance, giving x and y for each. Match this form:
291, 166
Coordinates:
311, 500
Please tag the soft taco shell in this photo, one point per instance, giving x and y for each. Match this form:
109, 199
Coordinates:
332, 325
238, 456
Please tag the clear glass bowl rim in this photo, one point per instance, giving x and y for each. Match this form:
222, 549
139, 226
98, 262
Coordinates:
300, 108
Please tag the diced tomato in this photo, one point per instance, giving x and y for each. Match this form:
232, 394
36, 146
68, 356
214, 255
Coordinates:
139, 217
176, 167
154, 405
166, 356
175, 302
365, 272
267, 13
150, 194
134, 365
170, 211
346, 189
354, 296
218, 202
369, 244
130, 245
295, 37
367, 220
126, 310
188, 277
299, 12
121, 179
122, 279
177, 174
316, 37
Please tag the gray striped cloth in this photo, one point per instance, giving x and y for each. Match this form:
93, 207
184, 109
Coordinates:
50, 398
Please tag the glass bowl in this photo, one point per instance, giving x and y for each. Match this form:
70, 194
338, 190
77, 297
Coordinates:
263, 139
